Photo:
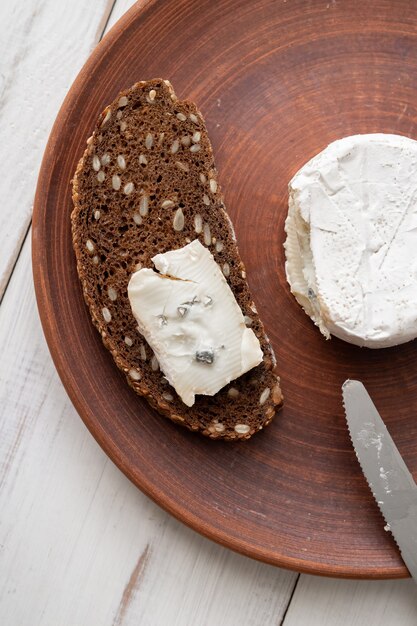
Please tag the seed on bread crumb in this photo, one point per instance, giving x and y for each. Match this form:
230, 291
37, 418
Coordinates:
112, 293
233, 393
203, 178
242, 429
226, 269
90, 246
142, 351
168, 396
264, 396
101, 176
119, 115
175, 146
195, 148
148, 141
122, 102
106, 117
206, 199
253, 308
123, 126
97, 214
276, 395
213, 185
121, 162
138, 267
143, 160
96, 163
178, 221
167, 204
219, 246
95, 260
161, 138
248, 321
116, 182
270, 412
194, 118
186, 141
196, 137
137, 219
182, 166
154, 364
207, 234
128, 341
152, 95
181, 117
198, 223
105, 159
144, 205
219, 427
134, 374
128, 188
106, 314
243, 274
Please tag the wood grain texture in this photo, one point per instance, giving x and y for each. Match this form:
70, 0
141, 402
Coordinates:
56, 492
318, 602
276, 81
43, 44
120, 7
79, 544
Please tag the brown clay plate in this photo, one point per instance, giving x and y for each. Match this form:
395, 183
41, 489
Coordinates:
277, 81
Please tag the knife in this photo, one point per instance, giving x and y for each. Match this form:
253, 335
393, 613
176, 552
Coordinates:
388, 477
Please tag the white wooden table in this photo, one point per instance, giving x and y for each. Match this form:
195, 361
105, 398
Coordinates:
79, 544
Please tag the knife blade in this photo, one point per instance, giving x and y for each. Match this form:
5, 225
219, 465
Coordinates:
388, 477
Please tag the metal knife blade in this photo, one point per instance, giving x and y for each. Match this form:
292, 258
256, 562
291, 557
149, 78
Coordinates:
391, 482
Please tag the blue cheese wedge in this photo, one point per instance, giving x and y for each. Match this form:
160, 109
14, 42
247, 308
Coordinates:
352, 238
189, 316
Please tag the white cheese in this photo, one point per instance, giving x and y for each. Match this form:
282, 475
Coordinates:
351, 248
190, 318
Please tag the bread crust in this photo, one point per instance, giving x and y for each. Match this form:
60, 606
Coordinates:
148, 159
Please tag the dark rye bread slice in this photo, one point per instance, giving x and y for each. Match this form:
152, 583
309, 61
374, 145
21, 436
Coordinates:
146, 184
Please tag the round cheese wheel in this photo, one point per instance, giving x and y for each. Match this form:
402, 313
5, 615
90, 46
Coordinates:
351, 247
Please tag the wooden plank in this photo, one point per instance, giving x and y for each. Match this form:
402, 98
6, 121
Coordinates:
120, 7
327, 602
79, 544
43, 44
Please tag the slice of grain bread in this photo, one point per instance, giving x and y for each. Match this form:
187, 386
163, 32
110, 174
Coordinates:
146, 184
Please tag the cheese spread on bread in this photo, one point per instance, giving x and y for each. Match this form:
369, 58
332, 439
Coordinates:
190, 318
351, 247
